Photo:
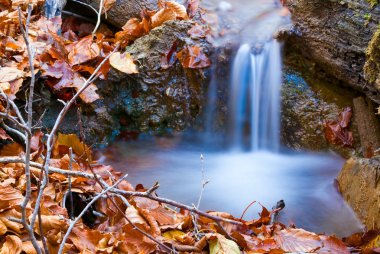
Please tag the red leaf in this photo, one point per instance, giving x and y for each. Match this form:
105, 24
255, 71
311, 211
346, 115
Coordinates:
170, 57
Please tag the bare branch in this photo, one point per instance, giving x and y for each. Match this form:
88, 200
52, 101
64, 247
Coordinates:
99, 16
28, 131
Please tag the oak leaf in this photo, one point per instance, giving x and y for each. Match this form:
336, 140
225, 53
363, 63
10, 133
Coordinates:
4, 135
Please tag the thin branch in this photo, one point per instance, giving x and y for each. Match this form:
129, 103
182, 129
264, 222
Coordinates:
14, 131
72, 224
69, 179
28, 132
99, 16
14, 107
17, 123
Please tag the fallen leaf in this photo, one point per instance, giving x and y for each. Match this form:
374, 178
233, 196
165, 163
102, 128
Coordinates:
193, 57
218, 244
331, 244
9, 197
83, 51
297, 240
10, 73
123, 62
89, 95
65, 141
12, 245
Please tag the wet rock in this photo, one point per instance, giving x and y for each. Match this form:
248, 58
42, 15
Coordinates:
305, 107
155, 100
359, 183
336, 34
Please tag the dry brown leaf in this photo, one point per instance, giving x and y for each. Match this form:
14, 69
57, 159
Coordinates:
193, 57
12, 245
89, 95
88, 239
123, 62
179, 10
10, 73
11, 226
83, 51
9, 197
162, 16
28, 247
297, 240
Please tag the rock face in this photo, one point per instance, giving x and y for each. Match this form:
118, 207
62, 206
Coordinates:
359, 182
335, 34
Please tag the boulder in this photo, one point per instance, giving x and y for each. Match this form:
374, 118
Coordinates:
155, 100
359, 183
336, 34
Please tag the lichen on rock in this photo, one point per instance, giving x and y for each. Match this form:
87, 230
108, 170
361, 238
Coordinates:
372, 65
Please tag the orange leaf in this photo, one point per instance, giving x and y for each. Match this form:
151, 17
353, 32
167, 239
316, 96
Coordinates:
83, 51
193, 57
297, 240
12, 245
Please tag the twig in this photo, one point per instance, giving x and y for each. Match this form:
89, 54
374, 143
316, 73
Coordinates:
69, 180
72, 224
14, 131
99, 16
28, 133
14, 107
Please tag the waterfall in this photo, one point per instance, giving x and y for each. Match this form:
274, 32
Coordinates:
254, 103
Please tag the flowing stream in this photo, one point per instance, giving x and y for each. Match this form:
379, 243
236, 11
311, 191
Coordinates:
252, 167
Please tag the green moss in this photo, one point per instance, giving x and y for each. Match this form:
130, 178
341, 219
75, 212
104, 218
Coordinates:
373, 2
372, 65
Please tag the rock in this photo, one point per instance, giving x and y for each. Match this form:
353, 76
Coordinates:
368, 125
123, 10
155, 100
335, 34
359, 183
305, 107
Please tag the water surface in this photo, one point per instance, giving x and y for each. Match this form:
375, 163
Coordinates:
304, 181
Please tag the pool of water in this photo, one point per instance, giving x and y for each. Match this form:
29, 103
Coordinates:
304, 181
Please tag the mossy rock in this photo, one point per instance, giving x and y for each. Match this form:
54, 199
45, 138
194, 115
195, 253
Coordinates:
372, 65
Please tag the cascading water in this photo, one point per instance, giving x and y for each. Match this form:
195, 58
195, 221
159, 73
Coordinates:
255, 98
237, 178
